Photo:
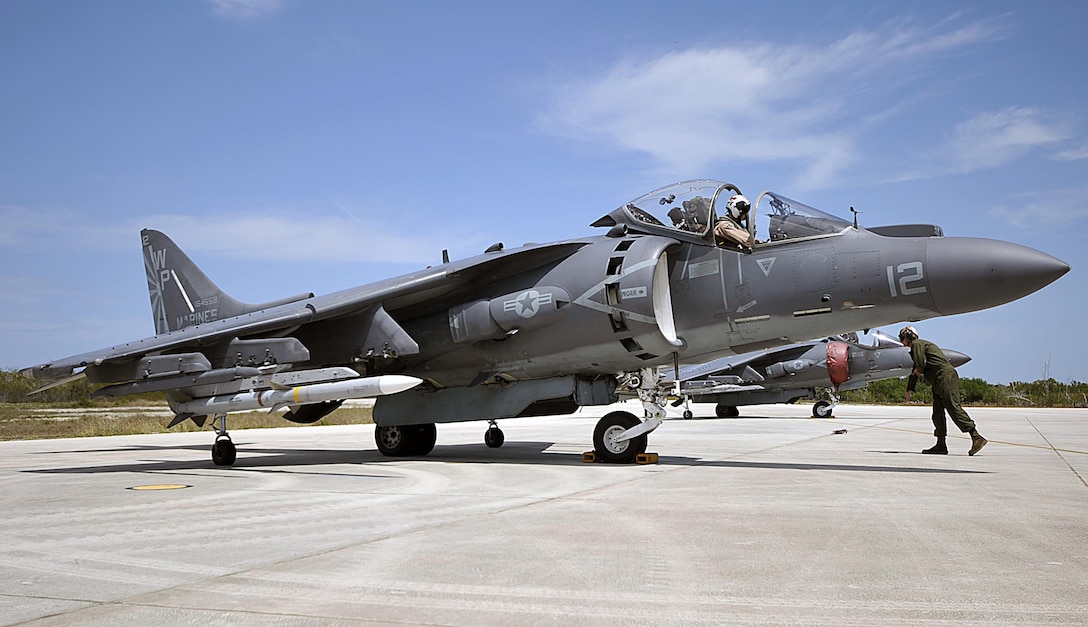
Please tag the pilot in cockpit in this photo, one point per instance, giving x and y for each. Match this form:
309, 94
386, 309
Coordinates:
732, 226
693, 216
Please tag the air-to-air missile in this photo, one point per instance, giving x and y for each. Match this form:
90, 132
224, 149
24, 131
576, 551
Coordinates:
280, 396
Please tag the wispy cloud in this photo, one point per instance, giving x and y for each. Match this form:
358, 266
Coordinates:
245, 9
1072, 154
49, 228
994, 138
274, 236
804, 104
1047, 210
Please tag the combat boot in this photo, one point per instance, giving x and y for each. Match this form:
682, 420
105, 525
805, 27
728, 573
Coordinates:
977, 442
940, 448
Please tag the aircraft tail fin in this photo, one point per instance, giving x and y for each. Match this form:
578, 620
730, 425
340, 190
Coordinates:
181, 294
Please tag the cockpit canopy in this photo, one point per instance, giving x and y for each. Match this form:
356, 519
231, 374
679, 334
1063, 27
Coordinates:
689, 206
690, 209
875, 339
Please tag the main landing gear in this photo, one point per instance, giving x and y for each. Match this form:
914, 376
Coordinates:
405, 440
224, 453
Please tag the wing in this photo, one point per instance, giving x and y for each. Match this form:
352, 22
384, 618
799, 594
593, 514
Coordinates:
204, 336
748, 367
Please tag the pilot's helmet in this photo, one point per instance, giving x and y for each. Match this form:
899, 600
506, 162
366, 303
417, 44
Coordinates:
738, 206
908, 333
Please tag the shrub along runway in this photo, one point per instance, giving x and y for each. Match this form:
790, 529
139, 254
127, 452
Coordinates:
768, 518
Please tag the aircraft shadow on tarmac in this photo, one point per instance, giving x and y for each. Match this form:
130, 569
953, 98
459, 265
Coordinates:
284, 459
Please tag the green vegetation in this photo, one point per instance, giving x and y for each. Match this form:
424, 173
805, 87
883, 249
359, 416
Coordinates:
1042, 393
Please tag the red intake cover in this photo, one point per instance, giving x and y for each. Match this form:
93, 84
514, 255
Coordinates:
838, 363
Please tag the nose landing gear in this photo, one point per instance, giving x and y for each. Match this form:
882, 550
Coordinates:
824, 408
620, 437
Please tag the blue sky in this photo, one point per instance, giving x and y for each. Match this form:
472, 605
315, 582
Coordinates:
294, 146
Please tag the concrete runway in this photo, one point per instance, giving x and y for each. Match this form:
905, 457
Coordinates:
770, 518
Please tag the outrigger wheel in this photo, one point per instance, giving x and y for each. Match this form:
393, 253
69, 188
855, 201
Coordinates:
223, 451
494, 437
821, 409
609, 427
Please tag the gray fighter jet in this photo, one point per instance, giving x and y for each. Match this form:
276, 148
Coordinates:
802, 371
546, 328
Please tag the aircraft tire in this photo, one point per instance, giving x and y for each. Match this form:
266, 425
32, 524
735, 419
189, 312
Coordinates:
494, 437
688, 415
224, 453
423, 438
821, 409
405, 440
726, 411
607, 428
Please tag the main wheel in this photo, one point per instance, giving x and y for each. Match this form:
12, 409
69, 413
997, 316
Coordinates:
609, 427
424, 437
224, 453
821, 409
726, 411
405, 440
688, 415
494, 437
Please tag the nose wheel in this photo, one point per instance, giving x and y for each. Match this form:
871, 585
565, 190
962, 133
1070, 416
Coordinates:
494, 437
824, 408
609, 442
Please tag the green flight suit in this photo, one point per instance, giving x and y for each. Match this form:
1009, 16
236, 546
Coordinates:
930, 360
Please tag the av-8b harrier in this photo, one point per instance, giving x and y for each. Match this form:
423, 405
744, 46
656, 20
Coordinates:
805, 370
547, 328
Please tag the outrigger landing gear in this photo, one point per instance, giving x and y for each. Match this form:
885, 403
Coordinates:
494, 437
620, 437
224, 453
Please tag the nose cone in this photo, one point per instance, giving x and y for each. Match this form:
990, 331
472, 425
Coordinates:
969, 274
957, 358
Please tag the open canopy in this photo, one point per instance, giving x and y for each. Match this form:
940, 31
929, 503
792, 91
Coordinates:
689, 210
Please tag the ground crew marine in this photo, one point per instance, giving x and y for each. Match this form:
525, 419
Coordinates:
931, 363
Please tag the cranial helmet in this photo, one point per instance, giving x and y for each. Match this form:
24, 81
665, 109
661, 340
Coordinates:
908, 333
738, 206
